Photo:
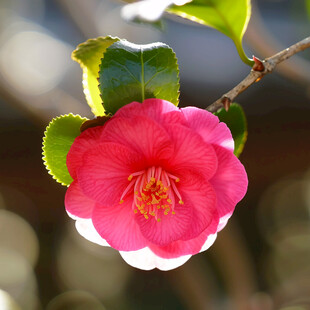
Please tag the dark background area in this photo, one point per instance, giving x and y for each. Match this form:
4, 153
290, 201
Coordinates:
261, 260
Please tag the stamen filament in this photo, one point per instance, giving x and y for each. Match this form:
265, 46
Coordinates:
155, 193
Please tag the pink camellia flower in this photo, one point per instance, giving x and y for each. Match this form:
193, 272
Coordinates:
155, 182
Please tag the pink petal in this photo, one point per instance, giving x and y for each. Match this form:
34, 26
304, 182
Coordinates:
105, 171
85, 141
86, 229
188, 247
77, 203
191, 153
142, 135
208, 126
145, 259
170, 228
201, 198
161, 111
230, 183
116, 224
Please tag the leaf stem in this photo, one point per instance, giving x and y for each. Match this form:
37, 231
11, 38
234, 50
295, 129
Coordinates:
242, 54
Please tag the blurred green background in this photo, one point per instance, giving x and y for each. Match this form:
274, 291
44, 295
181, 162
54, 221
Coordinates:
261, 260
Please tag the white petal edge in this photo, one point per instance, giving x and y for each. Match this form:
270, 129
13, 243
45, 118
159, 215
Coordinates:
145, 259
228, 144
210, 240
86, 229
223, 221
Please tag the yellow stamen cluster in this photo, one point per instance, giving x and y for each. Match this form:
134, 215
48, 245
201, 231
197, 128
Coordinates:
155, 192
153, 197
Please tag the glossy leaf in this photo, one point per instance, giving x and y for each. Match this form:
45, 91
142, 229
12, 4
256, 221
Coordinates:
130, 72
236, 122
229, 17
88, 55
58, 138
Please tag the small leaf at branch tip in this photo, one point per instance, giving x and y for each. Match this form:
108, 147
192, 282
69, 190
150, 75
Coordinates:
226, 102
98, 121
258, 65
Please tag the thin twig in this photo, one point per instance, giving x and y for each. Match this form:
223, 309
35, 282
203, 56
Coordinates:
254, 76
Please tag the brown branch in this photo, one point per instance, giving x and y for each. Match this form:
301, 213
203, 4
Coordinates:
259, 70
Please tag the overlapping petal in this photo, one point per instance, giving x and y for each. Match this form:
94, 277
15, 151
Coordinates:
77, 203
142, 135
116, 224
230, 183
106, 167
85, 228
207, 125
161, 111
170, 228
85, 141
191, 152
145, 259
201, 198
183, 248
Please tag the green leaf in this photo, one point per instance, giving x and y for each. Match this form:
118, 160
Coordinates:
58, 138
236, 122
88, 55
229, 17
308, 7
130, 72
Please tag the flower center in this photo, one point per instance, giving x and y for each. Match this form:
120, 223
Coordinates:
155, 192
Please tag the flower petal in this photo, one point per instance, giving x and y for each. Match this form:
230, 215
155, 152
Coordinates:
230, 183
116, 224
85, 141
201, 198
85, 228
104, 174
77, 203
188, 247
142, 135
208, 126
145, 259
170, 228
208, 243
161, 111
191, 153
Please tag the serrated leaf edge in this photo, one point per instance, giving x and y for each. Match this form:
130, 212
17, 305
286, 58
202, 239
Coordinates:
43, 144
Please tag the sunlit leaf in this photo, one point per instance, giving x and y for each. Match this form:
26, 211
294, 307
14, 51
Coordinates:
229, 17
88, 55
236, 121
58, 138
131, 72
